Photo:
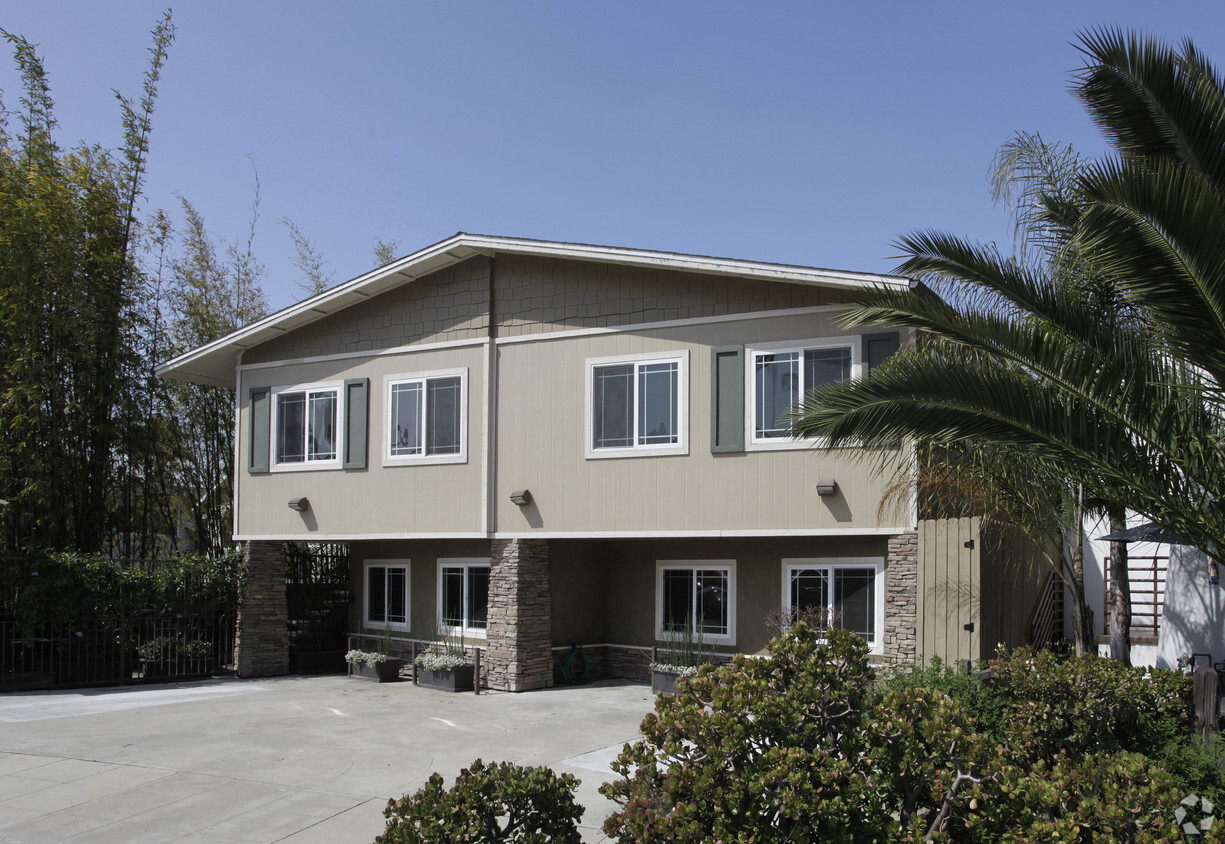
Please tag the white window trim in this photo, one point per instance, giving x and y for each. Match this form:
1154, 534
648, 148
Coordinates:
425, 459
307, 465
681, 446
707, 638
465, 563
751, 440
790, 564
403, 563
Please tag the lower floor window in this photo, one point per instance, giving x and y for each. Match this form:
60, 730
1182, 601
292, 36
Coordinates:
828, 594
463, 595
696, 599
387, 594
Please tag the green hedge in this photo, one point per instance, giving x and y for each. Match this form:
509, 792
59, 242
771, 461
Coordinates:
61, 588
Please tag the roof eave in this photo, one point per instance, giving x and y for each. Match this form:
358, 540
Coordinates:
216, 362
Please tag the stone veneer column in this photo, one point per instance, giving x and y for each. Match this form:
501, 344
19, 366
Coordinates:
520, 632
901, 598
262, 643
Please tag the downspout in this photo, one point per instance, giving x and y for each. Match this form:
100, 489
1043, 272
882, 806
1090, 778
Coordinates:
491, 405
237, 443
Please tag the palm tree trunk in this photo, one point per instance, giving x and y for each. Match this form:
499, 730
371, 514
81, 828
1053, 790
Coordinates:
1120, 593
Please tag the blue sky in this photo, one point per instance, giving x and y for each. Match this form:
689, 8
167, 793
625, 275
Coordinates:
799, 132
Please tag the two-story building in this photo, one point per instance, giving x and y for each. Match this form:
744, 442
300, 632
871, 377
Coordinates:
535, 444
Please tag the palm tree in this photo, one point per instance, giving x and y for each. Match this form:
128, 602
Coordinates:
1105, 357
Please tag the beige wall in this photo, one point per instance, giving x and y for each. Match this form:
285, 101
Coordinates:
605, 592
550, 294
377, 500
450, 305
540, 412
542, 395
423, 580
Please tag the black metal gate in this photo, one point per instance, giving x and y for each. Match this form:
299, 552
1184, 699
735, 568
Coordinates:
317, 594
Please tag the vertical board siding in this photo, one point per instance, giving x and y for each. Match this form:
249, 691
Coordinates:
950, 588
1012, 584
376, 499
542, 428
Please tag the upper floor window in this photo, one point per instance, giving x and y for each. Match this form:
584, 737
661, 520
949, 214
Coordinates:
306, 422
637, 405
781, 376
836, 593
425, 417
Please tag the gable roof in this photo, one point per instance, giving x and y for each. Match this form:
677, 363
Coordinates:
215, 362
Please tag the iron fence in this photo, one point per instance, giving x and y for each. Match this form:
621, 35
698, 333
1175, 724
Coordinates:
145, 648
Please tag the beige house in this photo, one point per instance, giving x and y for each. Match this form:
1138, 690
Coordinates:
535, 445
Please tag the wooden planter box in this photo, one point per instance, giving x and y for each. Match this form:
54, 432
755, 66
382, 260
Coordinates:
450, 680
387, 671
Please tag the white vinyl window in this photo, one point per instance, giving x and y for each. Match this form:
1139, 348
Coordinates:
463, 596
696, 598
387, 594
846, 593
306, 424
637, 405
425, 418
780, 376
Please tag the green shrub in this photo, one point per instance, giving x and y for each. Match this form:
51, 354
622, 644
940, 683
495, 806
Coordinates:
967, 687
1120, 797
63, 589
790, 748
1080, 705
499, 802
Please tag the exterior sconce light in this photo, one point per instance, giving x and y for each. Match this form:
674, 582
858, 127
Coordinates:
827, 488
521, 497
299, 504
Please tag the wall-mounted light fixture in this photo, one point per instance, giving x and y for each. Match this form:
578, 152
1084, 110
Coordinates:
299, 504
521, 497
826, 488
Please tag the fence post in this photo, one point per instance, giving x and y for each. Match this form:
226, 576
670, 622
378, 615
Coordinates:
476, 673
1206, 690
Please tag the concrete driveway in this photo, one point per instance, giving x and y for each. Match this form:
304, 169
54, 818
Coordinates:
296, 759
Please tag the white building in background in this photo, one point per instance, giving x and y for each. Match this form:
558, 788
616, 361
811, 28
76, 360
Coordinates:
1177, 611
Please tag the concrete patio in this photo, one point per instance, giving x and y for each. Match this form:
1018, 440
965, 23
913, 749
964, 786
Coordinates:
295, 759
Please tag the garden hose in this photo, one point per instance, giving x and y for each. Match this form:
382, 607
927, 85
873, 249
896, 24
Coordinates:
567, 667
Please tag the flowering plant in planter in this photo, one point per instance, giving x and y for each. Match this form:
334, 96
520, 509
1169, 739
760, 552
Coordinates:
444, 664
356, 657
679, 654
432, 660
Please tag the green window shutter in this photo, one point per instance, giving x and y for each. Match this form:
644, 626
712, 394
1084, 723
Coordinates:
260, 418
357, 412
727, 399
877, 347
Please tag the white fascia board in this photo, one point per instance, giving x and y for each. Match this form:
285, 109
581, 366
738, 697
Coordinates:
214, 363
687, 263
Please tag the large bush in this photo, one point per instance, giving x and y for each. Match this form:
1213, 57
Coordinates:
1075, 705
498, 802
59, 589
792, 748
